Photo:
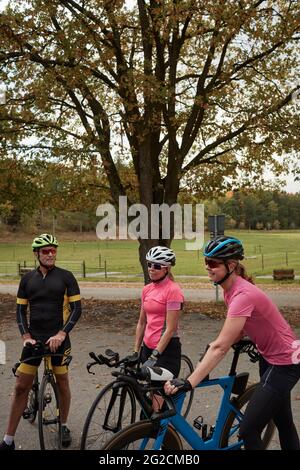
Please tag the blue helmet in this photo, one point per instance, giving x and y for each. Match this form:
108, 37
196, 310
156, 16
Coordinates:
224, 248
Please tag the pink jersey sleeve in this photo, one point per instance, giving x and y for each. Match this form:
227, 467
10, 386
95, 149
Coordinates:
240, 306
175, 298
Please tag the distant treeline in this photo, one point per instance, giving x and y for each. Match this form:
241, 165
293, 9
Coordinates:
38, 195
257, 210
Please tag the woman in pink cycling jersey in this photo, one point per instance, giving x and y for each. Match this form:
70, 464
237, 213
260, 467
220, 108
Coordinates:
157, 336
252, 313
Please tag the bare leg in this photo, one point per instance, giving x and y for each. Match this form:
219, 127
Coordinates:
64, 392
19, 401
157, 402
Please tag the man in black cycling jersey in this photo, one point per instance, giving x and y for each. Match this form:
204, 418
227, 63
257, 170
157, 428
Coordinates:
54, 303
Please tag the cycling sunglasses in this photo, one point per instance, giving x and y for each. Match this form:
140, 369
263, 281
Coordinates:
156, 266
212, 263
48, 251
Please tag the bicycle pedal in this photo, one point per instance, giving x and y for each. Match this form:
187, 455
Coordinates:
47, 398
198, 422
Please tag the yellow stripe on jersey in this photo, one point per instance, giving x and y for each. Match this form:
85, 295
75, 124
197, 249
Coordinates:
66, 309
22, 301
74, 298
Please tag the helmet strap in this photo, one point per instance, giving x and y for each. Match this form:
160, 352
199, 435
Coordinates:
42, 264
218, 283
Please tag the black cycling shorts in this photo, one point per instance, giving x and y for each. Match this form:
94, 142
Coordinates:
170, 358
58, 363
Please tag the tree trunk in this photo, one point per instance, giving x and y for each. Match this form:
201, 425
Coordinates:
152, 191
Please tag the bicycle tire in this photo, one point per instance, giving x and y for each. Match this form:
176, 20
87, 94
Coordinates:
230, 421
49, 416
141, 430
188, 369
94, 435
32, 406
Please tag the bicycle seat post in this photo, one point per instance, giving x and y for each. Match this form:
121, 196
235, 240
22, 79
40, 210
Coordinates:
234, 362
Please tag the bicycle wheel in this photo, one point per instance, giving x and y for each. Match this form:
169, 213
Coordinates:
141, 436
230, 432
32, 406
49, 415
112, 410
186, 368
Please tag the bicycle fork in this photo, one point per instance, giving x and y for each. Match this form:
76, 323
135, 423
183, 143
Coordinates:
117, 392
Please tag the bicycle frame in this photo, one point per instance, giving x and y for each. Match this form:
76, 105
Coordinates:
125, 381
186, 430
119, 387
235, 396
48, 366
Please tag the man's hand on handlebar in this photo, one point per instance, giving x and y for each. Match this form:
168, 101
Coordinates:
27, 339
176, 385
55, 341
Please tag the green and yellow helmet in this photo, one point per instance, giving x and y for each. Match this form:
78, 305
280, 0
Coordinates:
45, 239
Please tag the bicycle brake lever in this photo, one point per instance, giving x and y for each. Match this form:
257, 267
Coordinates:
98, 359
89, 365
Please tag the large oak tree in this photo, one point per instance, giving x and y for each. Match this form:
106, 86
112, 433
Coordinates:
184, 88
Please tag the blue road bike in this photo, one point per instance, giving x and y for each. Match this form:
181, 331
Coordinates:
123, 400
167, 430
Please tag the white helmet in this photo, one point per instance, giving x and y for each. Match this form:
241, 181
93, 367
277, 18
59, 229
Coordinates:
161, 255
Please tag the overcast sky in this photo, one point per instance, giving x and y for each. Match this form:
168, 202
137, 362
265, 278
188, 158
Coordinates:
291, 185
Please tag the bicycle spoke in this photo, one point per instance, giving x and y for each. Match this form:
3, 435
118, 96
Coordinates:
49, 417
113, 409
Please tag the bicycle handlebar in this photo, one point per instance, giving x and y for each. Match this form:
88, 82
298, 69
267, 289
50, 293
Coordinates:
113, 360
39, 351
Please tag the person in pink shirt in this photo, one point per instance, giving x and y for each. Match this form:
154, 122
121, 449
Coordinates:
251, 312
157, 336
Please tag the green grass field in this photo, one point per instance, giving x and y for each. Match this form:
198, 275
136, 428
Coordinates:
265, 251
